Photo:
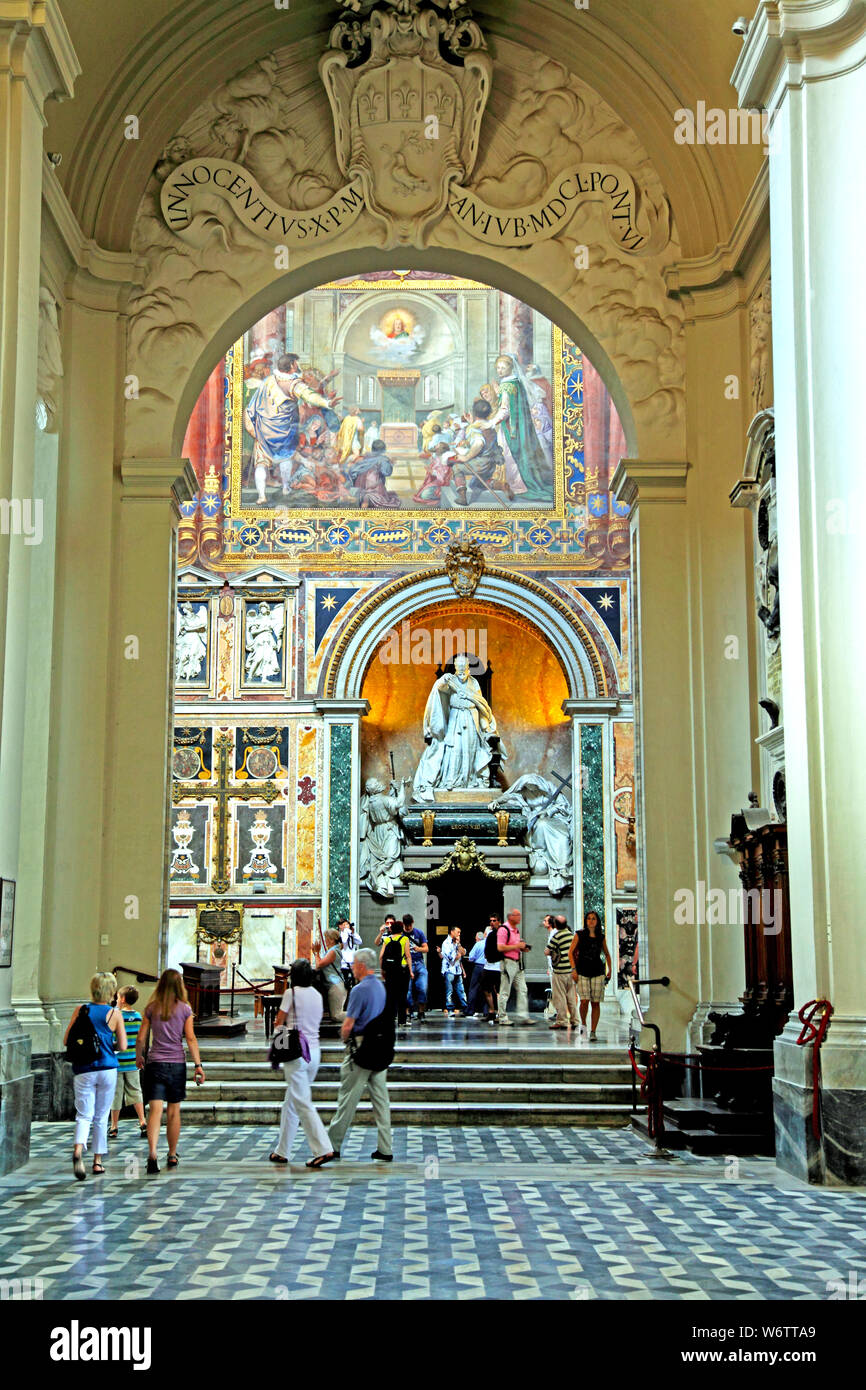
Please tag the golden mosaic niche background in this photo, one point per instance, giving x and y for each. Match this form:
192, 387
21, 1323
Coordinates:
529, 686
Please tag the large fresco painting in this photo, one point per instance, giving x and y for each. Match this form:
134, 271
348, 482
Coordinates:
438, 395
379, 419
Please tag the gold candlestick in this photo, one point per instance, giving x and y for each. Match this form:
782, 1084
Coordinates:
502, 819
427, 819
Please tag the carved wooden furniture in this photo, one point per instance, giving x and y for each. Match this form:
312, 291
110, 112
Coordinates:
203, 988
762, 851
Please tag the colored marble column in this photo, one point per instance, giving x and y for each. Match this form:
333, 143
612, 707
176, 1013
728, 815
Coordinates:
592, 779
340, 873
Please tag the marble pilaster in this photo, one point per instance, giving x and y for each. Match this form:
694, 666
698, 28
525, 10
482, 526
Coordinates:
340, 847
805, 65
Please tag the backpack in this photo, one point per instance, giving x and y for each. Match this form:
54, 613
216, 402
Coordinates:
82, 1045
376, 1049
491, 948
392, 956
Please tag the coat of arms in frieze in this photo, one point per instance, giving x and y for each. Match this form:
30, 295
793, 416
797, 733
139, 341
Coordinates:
408, 83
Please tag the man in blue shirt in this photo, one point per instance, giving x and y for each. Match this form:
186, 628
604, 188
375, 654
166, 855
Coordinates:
417, 995
365, 1004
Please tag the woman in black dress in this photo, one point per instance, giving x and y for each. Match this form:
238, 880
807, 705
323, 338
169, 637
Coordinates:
590, 969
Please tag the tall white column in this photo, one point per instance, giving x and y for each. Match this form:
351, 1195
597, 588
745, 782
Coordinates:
664, 748
135, 902
36, 62
806, 64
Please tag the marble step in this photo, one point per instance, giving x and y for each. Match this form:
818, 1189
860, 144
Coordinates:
325, 1092
198, 1112
482, 1054
695, 1115
454, 1072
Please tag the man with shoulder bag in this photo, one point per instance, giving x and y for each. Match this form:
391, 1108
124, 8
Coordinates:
368, 1031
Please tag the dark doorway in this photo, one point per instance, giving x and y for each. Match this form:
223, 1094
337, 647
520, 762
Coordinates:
463, 900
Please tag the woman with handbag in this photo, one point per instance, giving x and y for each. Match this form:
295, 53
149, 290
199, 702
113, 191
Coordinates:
296, 1048
94, 1031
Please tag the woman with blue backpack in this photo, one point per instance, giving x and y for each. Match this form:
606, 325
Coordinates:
94, 1030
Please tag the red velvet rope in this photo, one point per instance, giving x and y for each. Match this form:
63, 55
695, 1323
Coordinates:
815, 1035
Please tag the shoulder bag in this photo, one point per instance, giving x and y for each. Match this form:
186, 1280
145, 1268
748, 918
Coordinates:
288, 1044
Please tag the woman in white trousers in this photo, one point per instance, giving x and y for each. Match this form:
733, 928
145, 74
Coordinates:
95, 1076
301, 1007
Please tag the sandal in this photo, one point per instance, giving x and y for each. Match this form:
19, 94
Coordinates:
278, 1158
97, 1169
112, 1133
172, 1161
78, 1167
321, 1159
142, 1131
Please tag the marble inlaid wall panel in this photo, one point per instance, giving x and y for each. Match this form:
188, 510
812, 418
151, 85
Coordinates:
304, 810
624, 802
260, 949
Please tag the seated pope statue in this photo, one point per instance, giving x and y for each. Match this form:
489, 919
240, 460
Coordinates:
457, 725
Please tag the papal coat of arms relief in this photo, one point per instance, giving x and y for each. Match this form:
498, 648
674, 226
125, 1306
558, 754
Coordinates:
408, 87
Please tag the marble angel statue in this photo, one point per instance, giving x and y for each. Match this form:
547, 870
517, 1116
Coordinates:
458, 722
264, 640
381, 836
548, 827
191, 642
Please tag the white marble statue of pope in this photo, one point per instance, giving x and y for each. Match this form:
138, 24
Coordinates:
457, 725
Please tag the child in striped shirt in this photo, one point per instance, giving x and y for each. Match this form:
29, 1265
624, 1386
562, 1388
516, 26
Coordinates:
128, 1089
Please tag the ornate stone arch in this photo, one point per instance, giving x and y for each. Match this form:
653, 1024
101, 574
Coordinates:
579, 653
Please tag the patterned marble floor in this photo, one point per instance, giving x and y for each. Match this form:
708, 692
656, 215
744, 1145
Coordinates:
516, 1213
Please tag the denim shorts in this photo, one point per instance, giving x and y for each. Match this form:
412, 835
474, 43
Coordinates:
164, 1081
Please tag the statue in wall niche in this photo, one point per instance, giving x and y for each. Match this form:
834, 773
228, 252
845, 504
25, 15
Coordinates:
264, 641
760, 345
549, 831
191, 642
458, 728
767, 569
381, 836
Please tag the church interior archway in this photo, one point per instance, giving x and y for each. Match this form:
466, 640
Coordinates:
295, 568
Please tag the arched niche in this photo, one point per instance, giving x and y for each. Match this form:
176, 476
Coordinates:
578, 650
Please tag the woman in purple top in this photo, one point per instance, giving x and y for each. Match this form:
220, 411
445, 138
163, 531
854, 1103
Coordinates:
160, 1056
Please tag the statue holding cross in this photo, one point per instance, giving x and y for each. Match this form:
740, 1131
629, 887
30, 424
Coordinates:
549, 825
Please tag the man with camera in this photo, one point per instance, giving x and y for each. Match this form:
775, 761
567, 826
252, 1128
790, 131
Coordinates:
350, 943
512, 949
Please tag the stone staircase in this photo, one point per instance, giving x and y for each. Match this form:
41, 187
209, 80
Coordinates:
451, 1074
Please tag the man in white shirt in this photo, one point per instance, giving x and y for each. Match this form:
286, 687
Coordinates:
350, 942
452, 970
